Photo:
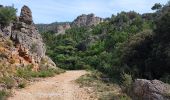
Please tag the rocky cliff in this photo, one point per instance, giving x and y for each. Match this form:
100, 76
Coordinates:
60, 27
27, 46
86, 20
57, 27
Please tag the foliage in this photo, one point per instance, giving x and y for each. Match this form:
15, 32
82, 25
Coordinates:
7, 15
27, 72
146, 54
3, 94
102, 87
22, 84
8, 81
165, 78
127, 42
156, 6
127, 83
135, 54
33, 47
50, 27
94, 47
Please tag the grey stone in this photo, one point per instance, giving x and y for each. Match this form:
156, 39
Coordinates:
150, 90
25, 34
86, 20
26, 15
62, 28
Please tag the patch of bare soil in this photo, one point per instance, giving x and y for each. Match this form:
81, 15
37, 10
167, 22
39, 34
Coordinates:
60, 87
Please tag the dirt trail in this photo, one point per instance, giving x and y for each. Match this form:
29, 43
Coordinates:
60, 87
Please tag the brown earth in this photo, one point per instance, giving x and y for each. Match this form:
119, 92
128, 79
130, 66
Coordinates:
60, 87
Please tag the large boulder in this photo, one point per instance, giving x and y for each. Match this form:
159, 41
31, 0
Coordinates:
143, 89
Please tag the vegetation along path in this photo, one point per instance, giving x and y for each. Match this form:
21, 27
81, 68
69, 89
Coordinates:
60, 87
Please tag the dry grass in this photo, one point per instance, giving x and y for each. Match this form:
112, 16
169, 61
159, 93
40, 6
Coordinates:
104, 89
6, 69
4, 94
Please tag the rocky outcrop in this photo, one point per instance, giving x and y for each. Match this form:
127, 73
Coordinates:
62, 28
150, 90
57, 28
26, 15
28, 44
86, 20
25, 35
148, 16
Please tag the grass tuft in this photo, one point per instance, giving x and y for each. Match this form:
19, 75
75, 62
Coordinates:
4, 94
104, 88
27, 73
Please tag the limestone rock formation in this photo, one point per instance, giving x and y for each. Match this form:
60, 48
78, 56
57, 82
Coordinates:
62, 28
86, 20
150, 90
26, 15
57, 27
28, 44
25, 34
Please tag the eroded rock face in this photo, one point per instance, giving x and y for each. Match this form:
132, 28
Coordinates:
150, 90
26, 15
27, 39
86, 20
62, 28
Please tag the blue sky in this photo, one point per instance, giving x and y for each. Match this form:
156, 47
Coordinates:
47, 11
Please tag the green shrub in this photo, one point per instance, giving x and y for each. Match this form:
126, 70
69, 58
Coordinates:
8, 81
22, 84
3, 95
27, 73
156, 6
33, 47
127, 83
165, 78
7, 15
135, 52
103, 90
111, 96
47, 73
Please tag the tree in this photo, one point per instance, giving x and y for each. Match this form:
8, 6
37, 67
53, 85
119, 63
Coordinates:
168, 2
157, 6
163, 23
7, 15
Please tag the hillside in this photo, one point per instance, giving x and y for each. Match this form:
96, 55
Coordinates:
56, 27
60, 27
22, 51
127, 47
126, 56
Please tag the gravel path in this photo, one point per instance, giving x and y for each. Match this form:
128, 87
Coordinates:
60, 87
